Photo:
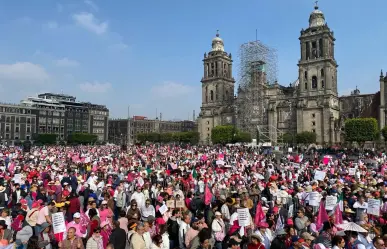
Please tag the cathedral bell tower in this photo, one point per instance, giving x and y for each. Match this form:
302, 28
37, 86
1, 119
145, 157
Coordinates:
318, 104
217, 90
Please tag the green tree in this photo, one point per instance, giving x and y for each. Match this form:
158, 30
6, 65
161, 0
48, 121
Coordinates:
306, 137
384, 133
361, 130
46, 138
287, 138
82, 138
166, 137
242, 137
223, 134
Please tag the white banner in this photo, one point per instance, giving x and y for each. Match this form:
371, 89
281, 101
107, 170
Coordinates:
373, 207
330, 202
58, 223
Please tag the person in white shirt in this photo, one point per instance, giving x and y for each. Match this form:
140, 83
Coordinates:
138, 196
184, 227
147, 210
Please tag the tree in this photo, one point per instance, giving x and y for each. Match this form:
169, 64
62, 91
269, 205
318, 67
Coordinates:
223, 134
361, 130
306, 137
46, 138
286, 138
384, 133
242, 137
82, 138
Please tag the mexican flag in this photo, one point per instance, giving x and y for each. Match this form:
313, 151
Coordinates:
194, 174
340, 202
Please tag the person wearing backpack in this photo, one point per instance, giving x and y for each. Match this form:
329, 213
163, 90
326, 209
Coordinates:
173, 225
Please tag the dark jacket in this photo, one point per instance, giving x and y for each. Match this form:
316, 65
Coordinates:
277, 244
14, 196
116, 238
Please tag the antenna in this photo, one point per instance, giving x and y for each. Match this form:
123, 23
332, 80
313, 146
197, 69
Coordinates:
156, 113
256, 34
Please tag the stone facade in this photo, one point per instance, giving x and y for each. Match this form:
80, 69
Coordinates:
217, 91
311, 103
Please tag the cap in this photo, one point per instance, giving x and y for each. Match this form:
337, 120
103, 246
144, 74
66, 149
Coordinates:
217, 213
307, 236
77, 215
104, 202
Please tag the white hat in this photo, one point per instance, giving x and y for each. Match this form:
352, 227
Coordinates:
104, 202
77, 215
217, 213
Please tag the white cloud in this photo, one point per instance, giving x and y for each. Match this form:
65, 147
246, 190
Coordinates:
23, 71
170, 89
66, 62
118, 46
92, 5
90, 22
59, 7
51, 25
95, 87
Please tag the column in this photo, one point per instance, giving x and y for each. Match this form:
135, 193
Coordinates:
205, 70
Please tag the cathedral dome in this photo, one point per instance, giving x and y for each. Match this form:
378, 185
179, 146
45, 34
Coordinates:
316, 18
217, 43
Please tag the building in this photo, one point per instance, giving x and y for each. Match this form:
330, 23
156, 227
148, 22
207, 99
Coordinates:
61, 114
217, 90
17, 123
50, 115
98, 120
119, 129
311, 103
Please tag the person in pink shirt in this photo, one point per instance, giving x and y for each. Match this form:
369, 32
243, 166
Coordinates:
104, 211
76, 223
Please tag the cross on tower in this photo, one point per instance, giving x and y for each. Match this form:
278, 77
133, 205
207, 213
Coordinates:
316, 4
217, 32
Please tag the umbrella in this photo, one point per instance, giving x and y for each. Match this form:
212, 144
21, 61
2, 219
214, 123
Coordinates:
351, 226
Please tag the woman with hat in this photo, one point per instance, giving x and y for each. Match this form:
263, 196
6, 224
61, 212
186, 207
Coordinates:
265, 234
255, 242
218, 229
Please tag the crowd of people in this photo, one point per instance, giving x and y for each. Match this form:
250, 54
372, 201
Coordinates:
191, 197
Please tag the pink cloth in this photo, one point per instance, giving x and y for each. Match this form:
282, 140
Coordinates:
103, 214
123, 223
78, 228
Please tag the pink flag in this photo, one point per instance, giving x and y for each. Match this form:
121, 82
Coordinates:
207, 195
338, 215
322, 216
259, 214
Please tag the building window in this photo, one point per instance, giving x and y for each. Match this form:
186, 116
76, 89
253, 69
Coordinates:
212, 95
16, 138
313, 123
322, 84
314, 130
28, 120
7, 136
28, 137
313, 115
28, 129
208, 129
17, 120
314, 82
8, 120
208, 122
306, 85
17, 129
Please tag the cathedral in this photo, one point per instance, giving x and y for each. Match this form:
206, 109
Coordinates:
310, 104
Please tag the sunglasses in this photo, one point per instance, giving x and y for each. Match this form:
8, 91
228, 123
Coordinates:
97, 232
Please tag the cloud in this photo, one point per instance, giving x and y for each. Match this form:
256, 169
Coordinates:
66, 62
89, 22
51, 25
59, 7
92, 5
95, 87
170, 89
118, 46
23, 71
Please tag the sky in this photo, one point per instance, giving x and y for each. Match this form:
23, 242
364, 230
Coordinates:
148, 54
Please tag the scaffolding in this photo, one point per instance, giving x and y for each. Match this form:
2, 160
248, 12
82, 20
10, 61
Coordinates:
257, 70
